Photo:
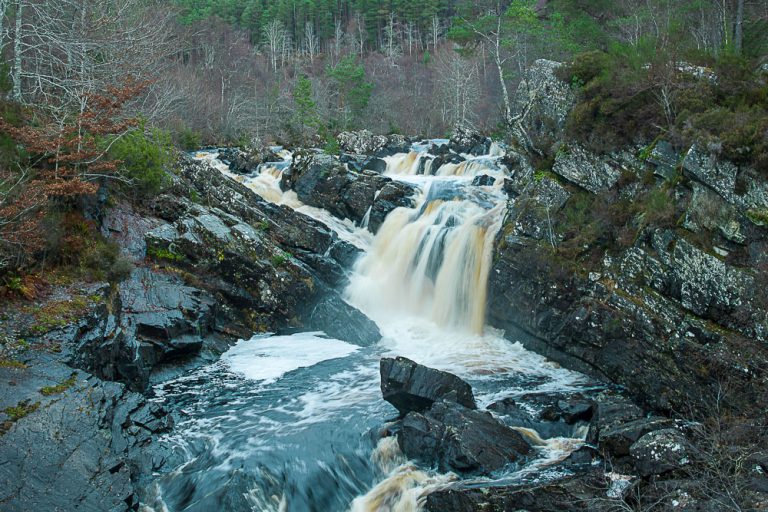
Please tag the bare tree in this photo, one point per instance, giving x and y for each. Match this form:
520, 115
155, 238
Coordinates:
738, 33
274, 38
360, 33
458, 88
311, 43
391, 46
338, 39
435, 30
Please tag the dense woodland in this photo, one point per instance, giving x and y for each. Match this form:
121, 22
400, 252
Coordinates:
96, 94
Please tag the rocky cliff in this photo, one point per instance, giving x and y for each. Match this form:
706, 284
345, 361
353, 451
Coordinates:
644, 267
211, 262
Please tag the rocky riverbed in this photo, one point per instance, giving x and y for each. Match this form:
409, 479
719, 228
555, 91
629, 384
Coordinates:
642, 269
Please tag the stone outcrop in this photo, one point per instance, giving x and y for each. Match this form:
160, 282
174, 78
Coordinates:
323, 181
662, 313
660, 451
543, 102
411, 387
151, 319
459, 439
585, 169
363, 142
272, 267
246, 161
394, 194
570, 494
469, 141
73, 442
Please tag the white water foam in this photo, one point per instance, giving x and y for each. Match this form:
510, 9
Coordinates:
422, 280
267, 358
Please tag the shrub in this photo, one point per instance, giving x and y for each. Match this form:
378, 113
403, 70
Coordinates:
75, 242
144, 153
189, 139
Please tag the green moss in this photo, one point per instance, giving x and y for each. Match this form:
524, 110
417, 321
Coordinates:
161, 253
646, 152
60, 387
543, 174
20, 410
58, 314
11, 363
758, 216
278, 260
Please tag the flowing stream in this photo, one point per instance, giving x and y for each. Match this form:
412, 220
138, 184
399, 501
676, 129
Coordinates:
290, 423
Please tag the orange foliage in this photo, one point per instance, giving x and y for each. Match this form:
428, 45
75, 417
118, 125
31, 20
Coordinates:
64, 161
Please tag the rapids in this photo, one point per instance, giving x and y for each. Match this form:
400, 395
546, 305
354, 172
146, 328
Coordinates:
290, 423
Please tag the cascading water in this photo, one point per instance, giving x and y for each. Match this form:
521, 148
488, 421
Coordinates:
283, 423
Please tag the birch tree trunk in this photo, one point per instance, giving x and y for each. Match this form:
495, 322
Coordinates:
17, 49
738, 32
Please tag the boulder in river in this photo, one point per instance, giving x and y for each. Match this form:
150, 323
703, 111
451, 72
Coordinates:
483, 180
393, 195
469, 141
248, 160
573, 493
324, 182
411, 387
459, 439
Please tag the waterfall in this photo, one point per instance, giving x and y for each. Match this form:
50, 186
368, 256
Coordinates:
433, 260
276, 423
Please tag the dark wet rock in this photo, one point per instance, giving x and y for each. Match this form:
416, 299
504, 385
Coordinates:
483, 180
550, 415
81, 447
376, 165
583, 456
665, 159
469, 141
345, 253
575, 493
269, 267
510, 189
322, 181
609, 415
395, 194
617, 439
439, 161
440, 150
410, 386
570, 409
546, 100
353, 162
456, 438
395, 144
659, 452
151, 319
246, 161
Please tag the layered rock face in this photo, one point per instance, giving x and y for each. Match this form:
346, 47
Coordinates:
71, 441
274, 268
641, 268
441, 427
324, 181
212, 262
